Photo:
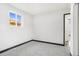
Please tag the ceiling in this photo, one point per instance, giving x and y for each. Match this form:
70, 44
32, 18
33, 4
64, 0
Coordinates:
37, 8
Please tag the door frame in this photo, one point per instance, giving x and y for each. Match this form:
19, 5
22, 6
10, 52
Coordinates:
64, 27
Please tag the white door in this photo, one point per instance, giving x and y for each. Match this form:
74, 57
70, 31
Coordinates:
67, 30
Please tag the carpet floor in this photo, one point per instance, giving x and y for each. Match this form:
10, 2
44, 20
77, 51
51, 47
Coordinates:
37, 49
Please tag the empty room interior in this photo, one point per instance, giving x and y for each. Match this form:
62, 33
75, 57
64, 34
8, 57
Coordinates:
39, 29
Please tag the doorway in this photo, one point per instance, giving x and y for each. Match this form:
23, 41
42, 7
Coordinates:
67, 30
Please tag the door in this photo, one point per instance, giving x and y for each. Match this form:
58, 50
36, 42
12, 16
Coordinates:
67, 30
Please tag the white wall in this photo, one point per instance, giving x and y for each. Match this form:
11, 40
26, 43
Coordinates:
49, 27
78, 29
10, 36
74, 31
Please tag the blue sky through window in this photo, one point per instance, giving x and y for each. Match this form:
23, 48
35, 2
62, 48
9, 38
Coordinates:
12, 15
18, 18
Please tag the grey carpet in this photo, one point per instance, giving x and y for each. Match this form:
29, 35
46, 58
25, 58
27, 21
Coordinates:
37, 49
